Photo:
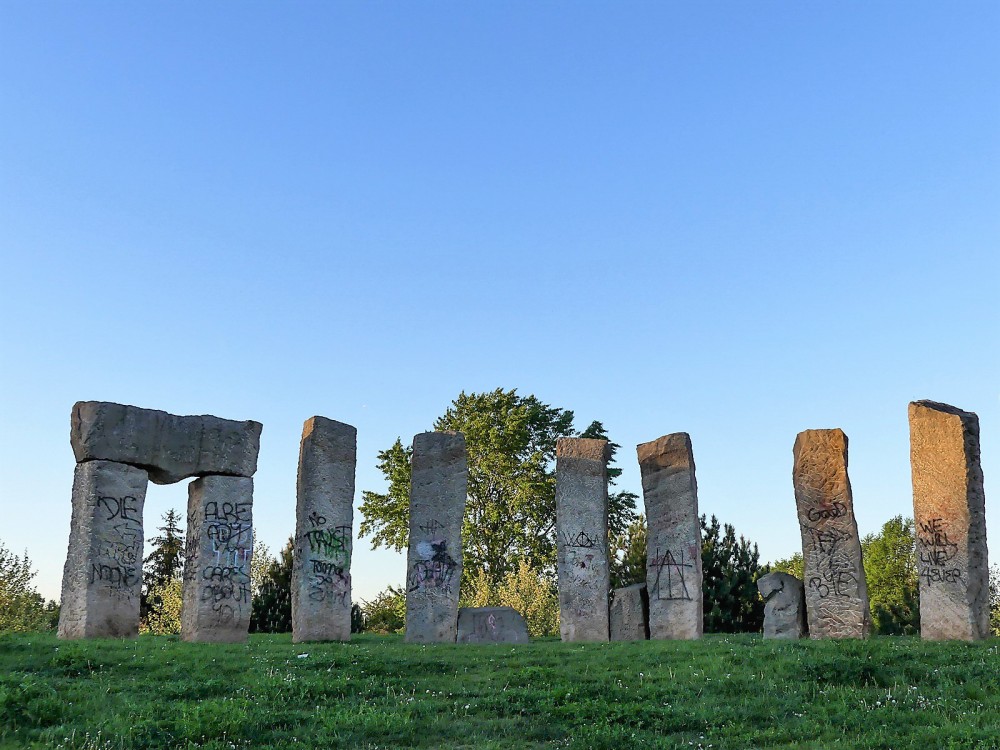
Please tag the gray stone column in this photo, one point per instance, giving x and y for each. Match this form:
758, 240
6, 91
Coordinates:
217, 597
836, 589
949, 510
673, 547
583, 568
438, 488
102, 577
324, 513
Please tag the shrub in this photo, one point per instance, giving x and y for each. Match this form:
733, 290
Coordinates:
22, 609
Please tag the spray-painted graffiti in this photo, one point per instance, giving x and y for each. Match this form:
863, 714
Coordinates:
327, 560
936, 552
434, 568
225, 574
117, 565
836, 572
671, 575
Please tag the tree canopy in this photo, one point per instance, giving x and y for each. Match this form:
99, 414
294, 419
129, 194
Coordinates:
22, 608
510, 511
890, 561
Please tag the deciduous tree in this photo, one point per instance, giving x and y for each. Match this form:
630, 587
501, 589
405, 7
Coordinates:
510, 509
22, 609
890, 562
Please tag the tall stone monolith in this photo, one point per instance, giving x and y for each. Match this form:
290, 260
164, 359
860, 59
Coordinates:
324, 514
438, 487
583, 567
949, 511
102, 578
836, 590
216, 589
673, 551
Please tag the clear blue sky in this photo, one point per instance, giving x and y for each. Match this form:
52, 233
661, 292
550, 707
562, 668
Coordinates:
739, 220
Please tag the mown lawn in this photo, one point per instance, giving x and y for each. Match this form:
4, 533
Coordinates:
377, 692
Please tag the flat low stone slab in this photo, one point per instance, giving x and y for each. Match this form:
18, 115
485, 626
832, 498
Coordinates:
784, 606
491, 625
169, 447
630, 613
949, 508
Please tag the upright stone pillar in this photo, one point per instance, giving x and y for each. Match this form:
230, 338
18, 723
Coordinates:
216, 589
673, 546
584, 572
438, 487
324, 513
949, 510
102, 578
836, 590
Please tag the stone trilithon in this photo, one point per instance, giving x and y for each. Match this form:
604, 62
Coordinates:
119, 448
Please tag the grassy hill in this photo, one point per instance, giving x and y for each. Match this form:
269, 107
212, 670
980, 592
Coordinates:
377, 692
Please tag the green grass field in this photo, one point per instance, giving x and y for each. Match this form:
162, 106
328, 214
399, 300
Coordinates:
377, 692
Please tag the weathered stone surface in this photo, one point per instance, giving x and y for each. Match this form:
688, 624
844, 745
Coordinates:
582, 536
324, 513
835, 586
102, 578
491, 625
784, 606
630, 613
169, 447
438, 487
217, 565
673, 556
949, 510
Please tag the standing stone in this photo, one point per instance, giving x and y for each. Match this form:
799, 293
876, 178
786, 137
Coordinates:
836, 589
673, 556
217, 563
584, 570
630, 613
784, 606
491, 625
438, 487
324, 513
949, 510
102, 578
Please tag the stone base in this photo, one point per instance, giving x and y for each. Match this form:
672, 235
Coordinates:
491, 625
784, 606
630, 613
